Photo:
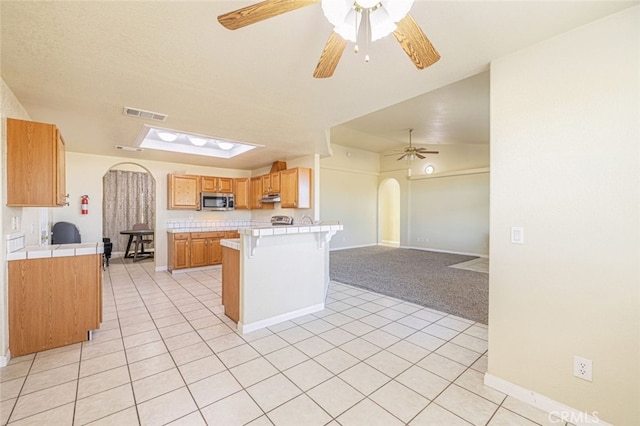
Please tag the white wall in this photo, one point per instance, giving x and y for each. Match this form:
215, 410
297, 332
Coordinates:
448, 210
389, 212
450, 213
349, 194
565, 165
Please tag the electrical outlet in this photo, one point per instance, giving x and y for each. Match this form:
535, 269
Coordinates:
582, 368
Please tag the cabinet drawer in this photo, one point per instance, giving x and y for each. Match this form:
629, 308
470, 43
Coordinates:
207, 235
181, 236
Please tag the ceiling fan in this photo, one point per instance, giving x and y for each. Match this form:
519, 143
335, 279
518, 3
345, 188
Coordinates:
406, 31
411, 152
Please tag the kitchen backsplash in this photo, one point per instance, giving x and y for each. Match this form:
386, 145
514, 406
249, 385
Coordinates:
214, 224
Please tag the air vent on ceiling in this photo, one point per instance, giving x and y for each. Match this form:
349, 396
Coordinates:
128, 148
147, 115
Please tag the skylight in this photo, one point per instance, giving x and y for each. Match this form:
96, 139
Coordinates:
189, 143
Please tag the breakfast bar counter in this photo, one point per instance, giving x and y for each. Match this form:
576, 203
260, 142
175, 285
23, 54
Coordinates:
282, 273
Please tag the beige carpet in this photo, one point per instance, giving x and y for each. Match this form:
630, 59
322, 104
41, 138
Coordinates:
417, 276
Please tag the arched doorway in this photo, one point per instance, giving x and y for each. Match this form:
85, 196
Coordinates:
129, 198
389, 213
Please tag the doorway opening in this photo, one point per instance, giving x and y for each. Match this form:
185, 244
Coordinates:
389, 213
129, 199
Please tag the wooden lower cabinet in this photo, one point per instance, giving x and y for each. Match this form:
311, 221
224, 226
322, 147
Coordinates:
53, 302
196, 249
231, 283
179, 251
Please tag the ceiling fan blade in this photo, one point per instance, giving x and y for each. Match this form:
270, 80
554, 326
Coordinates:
420, 156
260, 11
401, 157
424, 151
330, 56
415, 43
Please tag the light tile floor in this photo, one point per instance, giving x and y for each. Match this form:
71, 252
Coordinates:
480, 264
166, 354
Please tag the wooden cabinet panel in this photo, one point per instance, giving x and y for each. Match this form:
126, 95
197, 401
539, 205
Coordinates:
271, 183
295, 188
184, 192
61, 179
232, 234
199, 247
178, 250
195, 249
53, 301
215, 251
231, 283
216, 184
35, 164
225, 185
242, 193
256, 195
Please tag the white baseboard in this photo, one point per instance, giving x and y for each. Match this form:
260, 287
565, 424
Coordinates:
200, 268
352, 247
248, 328
463, 253
556, 409
161, 268
4, 359
388, 243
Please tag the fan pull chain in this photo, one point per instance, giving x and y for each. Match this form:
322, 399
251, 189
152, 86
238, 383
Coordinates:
367, 33
356, 49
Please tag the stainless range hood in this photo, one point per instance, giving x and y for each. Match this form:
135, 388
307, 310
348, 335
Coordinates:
270, 198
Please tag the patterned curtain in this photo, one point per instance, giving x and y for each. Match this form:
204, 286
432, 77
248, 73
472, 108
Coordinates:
129, 198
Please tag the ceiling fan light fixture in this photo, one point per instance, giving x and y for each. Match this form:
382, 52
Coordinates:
345, 16
381, 24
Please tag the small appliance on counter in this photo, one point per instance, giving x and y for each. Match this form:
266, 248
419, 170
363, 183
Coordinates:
281, 220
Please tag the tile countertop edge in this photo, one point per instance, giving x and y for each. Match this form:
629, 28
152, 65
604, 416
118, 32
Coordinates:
232, 243
59, 250
290, 229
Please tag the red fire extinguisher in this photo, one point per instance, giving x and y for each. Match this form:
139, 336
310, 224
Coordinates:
85, 204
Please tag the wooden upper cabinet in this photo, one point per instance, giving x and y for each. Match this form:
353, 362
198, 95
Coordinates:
217, 184
295, 188
271, 183
184, 192
242, 193
35, 164
256, 193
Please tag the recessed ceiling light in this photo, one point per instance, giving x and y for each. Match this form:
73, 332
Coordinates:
189, 143
197, 141
225, 145
167, 136
429, 169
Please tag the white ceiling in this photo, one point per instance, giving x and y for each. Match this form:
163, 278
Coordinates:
77, 64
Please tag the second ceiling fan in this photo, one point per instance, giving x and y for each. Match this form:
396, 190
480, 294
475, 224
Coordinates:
346, 16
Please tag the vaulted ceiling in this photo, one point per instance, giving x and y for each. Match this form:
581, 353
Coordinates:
77, 64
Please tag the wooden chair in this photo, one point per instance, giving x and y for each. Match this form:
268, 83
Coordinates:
141, 240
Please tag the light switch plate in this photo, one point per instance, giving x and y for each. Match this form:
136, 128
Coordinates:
517, 235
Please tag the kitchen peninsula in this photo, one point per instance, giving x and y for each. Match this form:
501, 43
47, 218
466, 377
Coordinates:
275, 273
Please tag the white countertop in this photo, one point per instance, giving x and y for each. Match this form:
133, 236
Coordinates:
262, 231
232, 243
209, 229
58, 250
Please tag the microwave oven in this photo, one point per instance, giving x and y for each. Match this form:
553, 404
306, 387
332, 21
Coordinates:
216, 201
